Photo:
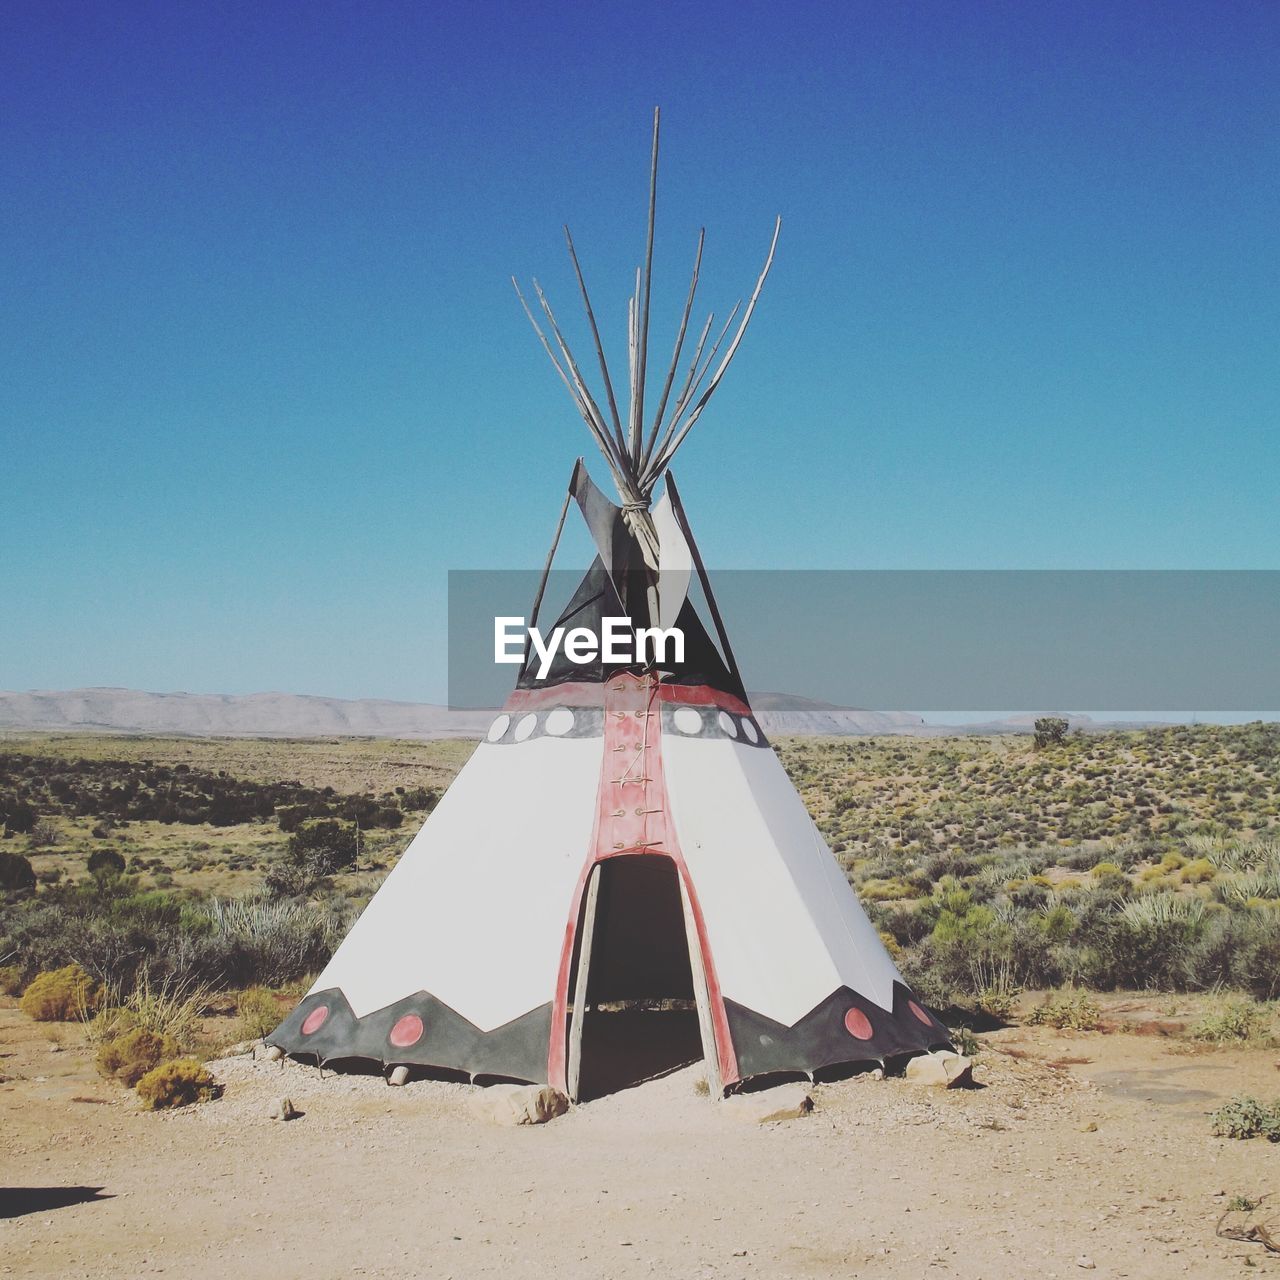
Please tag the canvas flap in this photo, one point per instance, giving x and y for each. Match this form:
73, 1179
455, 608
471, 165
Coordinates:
675, 563
604, 520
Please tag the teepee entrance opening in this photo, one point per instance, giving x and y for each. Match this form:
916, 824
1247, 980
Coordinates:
634, 1010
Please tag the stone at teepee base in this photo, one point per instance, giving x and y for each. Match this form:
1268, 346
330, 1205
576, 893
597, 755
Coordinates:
941, 1070
282, 1109
399, 1076
513, 1104
274, 1053
787, 1102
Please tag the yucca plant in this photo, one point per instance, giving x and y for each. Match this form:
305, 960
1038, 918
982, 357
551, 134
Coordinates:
1245, 886
1153, 910
273, 939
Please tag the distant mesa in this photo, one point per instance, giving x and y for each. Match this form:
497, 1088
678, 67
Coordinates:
292, 715
255, 715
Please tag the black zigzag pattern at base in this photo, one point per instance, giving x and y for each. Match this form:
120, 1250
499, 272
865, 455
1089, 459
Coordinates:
416, 1031
846, 1028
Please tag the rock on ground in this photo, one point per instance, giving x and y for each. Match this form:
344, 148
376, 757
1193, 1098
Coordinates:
282, 1109
941, 1070
787, 1102
513, 1104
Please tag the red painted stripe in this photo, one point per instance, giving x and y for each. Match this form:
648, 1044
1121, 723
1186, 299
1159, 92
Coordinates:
557, 1068
719, 1017
703, 695
633, 817
577, 693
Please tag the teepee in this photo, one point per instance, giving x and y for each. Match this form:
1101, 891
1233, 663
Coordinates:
622, 878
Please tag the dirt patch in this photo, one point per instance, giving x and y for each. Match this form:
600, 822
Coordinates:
1155, 1027
1051, 1160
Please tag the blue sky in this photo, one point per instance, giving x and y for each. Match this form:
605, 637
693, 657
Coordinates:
263, 380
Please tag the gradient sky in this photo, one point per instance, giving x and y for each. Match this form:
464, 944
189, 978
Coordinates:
263, 379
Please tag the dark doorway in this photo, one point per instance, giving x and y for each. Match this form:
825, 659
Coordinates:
639, 1017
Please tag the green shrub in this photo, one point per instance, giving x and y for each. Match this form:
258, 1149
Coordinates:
1067, 1010
1241, 950
1246, 1117
886, 891
60, 995
891, 944
1082, 859
1147, 942
105, 862
11, 980
1235, 1020
325, 846
1057, 921
998, 1001
125, 938
1051, 731
19, 817
175, 1084
130, 1056
272, 943
259, 1012
45, 834
1198, 872
16, 872
287, 880
1108, 879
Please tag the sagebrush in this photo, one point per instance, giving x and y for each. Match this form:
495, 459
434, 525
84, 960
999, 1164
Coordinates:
175, 1084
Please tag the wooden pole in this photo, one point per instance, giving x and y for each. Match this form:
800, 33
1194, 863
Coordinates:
546, 568
693, 382
669, 452
675, 357
578, 1016
595, 334
642, 336
597, 418
677, 509
600, 439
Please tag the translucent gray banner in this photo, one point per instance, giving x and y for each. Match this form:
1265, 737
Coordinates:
947, 640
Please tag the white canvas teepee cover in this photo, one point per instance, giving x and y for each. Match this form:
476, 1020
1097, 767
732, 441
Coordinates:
623, 833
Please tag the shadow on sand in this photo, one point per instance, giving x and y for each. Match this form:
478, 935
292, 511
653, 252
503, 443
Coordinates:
17, 1201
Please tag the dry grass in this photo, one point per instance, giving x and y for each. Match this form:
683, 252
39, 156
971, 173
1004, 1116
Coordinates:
230, 861
345, 764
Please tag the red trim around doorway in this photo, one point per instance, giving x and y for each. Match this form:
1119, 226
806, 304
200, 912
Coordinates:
633, 818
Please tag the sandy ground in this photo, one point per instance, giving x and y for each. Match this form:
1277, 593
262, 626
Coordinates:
1103, 1162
